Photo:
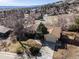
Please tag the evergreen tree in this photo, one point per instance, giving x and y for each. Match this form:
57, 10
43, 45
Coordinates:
42, 29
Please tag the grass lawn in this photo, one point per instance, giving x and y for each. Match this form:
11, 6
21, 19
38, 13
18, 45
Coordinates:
14, 46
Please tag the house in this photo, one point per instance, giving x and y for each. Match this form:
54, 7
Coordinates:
70, 35
70, 38
54, 34
4, 32
26, 16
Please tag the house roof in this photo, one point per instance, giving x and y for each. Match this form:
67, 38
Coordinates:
4, 29
54, 34
70, 35
50, 38
37, 23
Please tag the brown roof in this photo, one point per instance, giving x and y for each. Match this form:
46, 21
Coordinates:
56, 32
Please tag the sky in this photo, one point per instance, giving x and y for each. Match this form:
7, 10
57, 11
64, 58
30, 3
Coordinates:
25, 2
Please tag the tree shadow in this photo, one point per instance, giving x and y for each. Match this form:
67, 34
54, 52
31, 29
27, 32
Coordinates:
49, 44
5, 35
65, 40
35, 51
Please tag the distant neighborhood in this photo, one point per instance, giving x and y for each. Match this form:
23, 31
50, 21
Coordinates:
40, 32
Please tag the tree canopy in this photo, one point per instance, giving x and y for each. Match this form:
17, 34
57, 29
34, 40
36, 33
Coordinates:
42, 29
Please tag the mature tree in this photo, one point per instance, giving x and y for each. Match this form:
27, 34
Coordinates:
41, 31
19, 31
18, 28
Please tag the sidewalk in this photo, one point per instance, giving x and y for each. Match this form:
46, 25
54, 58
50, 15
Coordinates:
7, 55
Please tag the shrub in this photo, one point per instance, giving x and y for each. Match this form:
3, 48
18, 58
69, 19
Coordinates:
40, 17
19, 50
77, 21
73, 28
34, 51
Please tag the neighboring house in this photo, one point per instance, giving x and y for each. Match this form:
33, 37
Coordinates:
4, 32
69, 35
67, 19
26, 16
74, 36
51, 20
63, 20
